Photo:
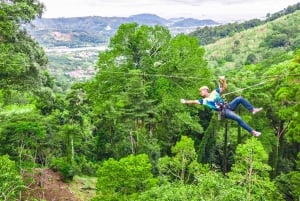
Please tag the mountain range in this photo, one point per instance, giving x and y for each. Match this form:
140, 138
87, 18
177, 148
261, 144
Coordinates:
95, 30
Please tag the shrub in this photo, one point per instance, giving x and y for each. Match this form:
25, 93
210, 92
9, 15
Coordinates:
63, 167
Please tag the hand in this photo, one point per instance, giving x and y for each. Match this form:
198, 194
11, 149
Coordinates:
182, 101
222, 78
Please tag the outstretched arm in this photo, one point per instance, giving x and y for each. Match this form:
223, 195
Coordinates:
183, 101
223, 83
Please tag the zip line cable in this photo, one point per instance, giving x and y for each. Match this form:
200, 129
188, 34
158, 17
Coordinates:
180, 76
187, 77
197, 78
157, 75
261, 83
205, 78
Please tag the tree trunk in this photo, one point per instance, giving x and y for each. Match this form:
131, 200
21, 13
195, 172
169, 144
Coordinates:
250, 171
239, 137
132, 142
225, 148
182, 175
72, 148
275, 158
280, 130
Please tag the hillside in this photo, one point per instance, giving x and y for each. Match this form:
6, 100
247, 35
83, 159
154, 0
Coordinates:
265, 42
208, 35
251, 46
96, 30
45, 184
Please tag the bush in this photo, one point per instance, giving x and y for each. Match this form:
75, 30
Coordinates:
63, 167
11, 182
124, 179
86, 167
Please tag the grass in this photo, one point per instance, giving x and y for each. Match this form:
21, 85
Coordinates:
84, 187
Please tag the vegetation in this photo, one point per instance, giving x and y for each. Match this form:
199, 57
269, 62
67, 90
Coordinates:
263, 45
208, 34
126, 126
11, 179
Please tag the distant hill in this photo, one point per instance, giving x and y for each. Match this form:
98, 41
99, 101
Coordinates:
266, 44
190, 22
94, 30
72, 44
208, 34
148, 19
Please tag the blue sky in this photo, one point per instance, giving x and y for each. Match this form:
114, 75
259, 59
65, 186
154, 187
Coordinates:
219, 10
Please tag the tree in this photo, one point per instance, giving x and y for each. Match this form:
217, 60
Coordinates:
72, 138
251, 171
183, 166
22, 59
283, 111
279, 97
121, 180
276, 40
288, 184
251, 59
22, 135
171, 192
135, 93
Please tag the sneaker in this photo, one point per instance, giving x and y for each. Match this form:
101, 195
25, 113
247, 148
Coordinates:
256, 133
256, 110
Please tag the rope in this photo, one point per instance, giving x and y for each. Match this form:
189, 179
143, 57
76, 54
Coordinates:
189, 77
175, 76
192, 77
261, 83
158, 75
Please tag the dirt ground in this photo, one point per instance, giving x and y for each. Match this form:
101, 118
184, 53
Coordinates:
44, 184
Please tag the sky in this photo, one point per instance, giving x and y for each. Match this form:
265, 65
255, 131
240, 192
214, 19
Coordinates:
219, 10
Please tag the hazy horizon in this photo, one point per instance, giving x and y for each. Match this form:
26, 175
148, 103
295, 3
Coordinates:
218, 10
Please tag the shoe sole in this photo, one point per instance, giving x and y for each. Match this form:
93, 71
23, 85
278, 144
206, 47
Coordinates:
259, 110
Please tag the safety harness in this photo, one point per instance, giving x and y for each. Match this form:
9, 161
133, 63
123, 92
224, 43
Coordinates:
221, 110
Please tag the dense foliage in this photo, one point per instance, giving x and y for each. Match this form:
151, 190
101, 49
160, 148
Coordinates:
22, 59
263, 45
11, 180
210, 34
132, 102
126, 125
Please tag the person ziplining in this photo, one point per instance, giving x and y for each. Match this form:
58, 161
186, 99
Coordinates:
214, 101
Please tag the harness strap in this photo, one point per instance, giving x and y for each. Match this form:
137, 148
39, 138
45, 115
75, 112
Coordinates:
221, 110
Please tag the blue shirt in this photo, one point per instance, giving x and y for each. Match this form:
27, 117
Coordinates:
213, 99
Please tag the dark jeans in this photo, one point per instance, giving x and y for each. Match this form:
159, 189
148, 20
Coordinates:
230, 114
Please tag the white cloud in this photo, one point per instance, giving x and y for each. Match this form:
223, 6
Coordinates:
201, 9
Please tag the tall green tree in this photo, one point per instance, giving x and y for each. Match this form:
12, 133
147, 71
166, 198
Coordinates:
183, 166
283, 112
22, 136
72, 137
22, 59
252, 172
135, 93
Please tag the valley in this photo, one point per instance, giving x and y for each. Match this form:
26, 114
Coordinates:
72, 44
